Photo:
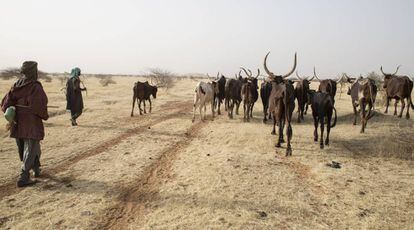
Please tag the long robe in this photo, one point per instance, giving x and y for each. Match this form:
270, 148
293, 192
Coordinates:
74, 96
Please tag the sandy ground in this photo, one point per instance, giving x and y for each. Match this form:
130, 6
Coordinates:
161, 171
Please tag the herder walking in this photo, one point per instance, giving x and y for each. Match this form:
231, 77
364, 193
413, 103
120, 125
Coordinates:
28, 101
74, 95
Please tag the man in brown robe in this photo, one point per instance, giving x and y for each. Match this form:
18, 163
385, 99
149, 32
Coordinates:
30, 100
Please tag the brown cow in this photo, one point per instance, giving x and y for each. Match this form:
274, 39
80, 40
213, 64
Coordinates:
326, 85
282, 103
143, 91
249, 93
363, 92
301, 94
398, 88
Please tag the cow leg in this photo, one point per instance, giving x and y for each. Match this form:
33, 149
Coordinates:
299, 114
139, 106
306, 108
133, 105
237, 107
280, 139
355, 114
195, 107
264, 114
150, 105
205, 109
322, 121
407, 115
402, 108
212, 110
328, 127
362, 103
274, 126
251, 110
387, 103
282, 123
145, 111
244, 110
218, 109
315, 132
289, 133
395, 107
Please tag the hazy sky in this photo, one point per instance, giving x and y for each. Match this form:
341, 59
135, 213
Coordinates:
200, 36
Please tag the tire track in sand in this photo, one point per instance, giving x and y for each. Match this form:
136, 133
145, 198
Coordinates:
10, 188
145, 188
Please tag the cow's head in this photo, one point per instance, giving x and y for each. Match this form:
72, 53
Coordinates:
305, 82
154, 91
388, 76
278, 78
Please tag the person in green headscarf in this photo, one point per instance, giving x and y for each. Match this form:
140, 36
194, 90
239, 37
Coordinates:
74, 95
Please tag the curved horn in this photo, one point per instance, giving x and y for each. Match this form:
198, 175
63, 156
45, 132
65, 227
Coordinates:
382, 71
249, 75
218, 75
397, 70
293, 69
258, 73
240, 73
297, 75
208, 76
314, 74
250, 72
265, 66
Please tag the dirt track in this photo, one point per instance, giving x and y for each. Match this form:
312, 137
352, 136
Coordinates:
161, 171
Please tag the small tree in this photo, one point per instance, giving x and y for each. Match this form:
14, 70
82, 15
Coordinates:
161, 78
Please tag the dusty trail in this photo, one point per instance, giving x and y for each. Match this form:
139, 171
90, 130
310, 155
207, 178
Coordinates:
177, 108
145, 188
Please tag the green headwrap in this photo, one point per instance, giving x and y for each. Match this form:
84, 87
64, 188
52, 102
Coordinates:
76, 72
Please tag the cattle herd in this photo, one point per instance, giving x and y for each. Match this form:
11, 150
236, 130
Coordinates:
278, 94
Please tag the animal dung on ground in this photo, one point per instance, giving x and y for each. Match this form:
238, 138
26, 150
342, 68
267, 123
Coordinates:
334, 164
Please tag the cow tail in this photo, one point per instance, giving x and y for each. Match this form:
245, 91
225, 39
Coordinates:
410, 89
334, 124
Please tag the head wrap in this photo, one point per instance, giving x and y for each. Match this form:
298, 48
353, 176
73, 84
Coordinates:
29, 72
76, 72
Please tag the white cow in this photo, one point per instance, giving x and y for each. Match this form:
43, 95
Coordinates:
204, 94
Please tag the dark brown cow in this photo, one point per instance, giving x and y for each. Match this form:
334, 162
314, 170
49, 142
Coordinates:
141, 92
265, 90
282, 103
326, 85
322, 107
249, 93
301, 94
398, 88
363, 92
233, 95
220, 96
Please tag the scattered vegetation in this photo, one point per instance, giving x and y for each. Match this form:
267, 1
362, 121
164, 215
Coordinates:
161, 78
14, 72
105, 80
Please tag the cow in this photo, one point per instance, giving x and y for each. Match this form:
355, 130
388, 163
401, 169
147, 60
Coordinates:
301, 94
281, 104
265, 90
204, 94
142, 92
220, 96
363, 92
322, 105
249, 93
233, 95
398, 88
326, 85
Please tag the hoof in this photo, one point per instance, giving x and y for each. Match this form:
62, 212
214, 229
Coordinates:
289, 152
321, 146
273, 133
278, 145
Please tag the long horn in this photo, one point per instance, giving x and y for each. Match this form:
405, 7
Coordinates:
314, 74
246, 72
297, 75
293, 69
397, 70
265, 66
251, 74
240, 73
208, 76
258, 73
218, 75
311, 78
382, 71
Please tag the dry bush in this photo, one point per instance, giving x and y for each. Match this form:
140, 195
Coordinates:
9, 73
161, 78
107, 80
13, 72
63, 79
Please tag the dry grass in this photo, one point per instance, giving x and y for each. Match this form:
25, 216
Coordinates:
227, 176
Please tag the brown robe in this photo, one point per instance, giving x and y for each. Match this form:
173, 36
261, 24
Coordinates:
30, 101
